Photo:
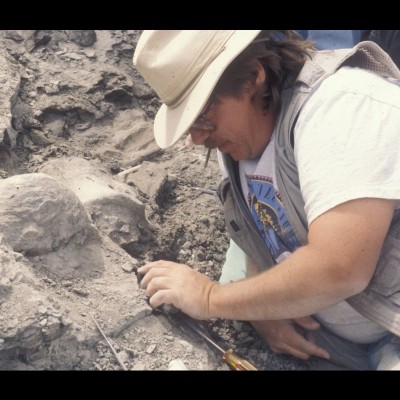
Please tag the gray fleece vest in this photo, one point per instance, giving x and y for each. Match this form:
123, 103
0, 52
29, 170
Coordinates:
380, 301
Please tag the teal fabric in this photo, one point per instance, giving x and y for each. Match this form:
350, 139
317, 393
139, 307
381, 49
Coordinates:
234, 267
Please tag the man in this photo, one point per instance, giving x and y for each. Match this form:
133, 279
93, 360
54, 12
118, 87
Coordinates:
235, 262
307, 143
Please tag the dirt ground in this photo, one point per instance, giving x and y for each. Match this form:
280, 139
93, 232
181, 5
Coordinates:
74, 98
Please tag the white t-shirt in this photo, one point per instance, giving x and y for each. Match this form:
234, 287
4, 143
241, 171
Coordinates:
347, 142
342, 133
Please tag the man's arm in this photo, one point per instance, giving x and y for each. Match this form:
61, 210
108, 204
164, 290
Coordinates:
338, 262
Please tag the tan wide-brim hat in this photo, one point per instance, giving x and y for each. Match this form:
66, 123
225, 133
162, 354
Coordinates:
183, 67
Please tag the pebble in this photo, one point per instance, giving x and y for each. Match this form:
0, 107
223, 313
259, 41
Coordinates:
237, 325
90, 53
66, 321
139, 366
187, 245
177, 365
96, 366
73, 56
187, 345
56, 314
127, 267
49, 281
151, 348
124, 356
80, 292
140, 345
129, 351
185, 252
42, 310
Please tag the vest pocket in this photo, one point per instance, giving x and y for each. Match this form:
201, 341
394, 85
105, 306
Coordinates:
232, 217
241, 230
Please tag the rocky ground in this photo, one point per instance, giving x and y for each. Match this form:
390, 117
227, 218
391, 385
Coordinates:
86, 196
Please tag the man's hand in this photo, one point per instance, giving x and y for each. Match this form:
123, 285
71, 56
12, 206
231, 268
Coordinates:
178, 284
292, 337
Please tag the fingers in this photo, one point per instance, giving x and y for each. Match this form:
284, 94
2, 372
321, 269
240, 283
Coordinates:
153, 270
161, 297
160, 263
303, 344
284, 337
319, 352
151, 278
308, 323
295, 352
157, 284
312, 349
302, 347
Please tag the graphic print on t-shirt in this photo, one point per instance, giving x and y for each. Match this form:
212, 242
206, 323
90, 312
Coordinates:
269, 214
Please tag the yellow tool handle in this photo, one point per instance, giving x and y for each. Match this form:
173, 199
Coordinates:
237, 363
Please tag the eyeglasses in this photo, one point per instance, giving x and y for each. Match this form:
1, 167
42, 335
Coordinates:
201, 122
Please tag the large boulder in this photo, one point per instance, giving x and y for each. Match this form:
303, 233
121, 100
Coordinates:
38, 214
113, 206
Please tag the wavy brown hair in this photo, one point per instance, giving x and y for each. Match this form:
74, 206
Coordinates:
281, 53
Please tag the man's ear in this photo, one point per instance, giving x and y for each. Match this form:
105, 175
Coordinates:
259, 78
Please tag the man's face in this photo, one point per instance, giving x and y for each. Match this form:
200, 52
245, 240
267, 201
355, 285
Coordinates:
236, 126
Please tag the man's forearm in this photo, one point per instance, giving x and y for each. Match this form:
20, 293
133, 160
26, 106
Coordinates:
301, 285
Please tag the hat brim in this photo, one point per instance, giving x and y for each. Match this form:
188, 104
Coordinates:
171, 123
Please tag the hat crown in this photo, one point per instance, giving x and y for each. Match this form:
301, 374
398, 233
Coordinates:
173, 61
183, 68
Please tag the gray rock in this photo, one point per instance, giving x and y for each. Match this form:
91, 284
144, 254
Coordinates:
39, 214
14, 35
9, 86
82, 38
39, 138
132, 139
113, 206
